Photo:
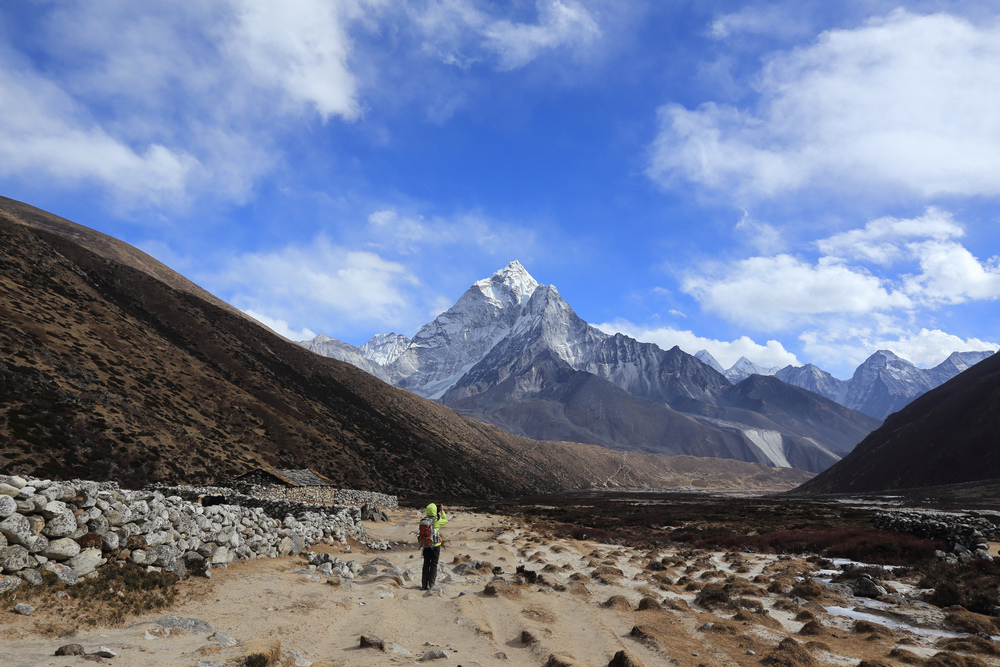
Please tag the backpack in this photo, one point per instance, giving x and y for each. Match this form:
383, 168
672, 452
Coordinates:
427, 534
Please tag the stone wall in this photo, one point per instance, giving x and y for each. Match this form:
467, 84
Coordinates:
317, 494
963, 532
72, 528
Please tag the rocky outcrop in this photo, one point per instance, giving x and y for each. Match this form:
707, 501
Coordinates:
73, 528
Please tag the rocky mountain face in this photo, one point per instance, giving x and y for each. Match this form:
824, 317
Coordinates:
513, 353
883, 384
335, 349
383, 349
112, 367
946, 436
816, 380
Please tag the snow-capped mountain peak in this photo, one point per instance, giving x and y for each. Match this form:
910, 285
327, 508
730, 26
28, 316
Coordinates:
744, 368
511, 283
705, 357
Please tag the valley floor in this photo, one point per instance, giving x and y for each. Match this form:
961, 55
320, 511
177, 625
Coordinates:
583, 609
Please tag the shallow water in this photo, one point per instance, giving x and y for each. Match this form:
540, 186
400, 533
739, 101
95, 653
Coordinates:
895, 624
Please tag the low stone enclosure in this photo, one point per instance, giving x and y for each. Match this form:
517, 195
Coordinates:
73, 528
303, 486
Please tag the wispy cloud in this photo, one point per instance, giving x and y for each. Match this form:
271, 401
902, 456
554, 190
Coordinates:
896, 105
464, 32
46, 133
192, 100
320, 281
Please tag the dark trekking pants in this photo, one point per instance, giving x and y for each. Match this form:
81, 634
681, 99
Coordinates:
431, 557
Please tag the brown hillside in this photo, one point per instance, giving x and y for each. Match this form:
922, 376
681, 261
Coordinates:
109, 372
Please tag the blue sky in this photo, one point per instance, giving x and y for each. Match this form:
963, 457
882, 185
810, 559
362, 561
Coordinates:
790, 181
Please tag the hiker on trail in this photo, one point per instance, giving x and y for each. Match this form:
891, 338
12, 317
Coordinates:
430, 539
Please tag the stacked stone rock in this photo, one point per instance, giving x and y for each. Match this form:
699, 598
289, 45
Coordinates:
73, 528
321, 494
273, 503
966, 534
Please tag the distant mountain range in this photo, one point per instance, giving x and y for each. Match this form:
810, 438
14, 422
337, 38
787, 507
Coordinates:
883, 384
114, 367
947, 436
513, 353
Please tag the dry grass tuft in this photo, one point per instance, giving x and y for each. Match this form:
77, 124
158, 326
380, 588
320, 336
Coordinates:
789, 653
946, 659
618, 603
118, 593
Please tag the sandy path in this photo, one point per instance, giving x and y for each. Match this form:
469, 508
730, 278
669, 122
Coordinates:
319, 621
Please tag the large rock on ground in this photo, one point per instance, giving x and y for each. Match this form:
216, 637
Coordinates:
866, 588
86, 561
65, 573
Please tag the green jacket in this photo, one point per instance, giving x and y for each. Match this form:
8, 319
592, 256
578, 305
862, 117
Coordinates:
439, 521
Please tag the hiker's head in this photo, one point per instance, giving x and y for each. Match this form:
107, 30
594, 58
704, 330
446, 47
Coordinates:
432, 510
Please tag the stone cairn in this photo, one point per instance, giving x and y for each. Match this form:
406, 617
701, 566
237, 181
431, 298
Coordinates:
73, 528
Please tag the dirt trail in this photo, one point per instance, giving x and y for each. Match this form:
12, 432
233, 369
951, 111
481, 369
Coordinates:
523, 624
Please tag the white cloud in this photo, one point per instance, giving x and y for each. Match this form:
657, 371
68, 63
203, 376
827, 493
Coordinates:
880, 241
775, 19
322, 282
774, 292
781, 291
459, 33
410, 233
45, 132
763, 237
896, 104
281, 327
160, 102
559, 23
951, 274
727, 353
301, 48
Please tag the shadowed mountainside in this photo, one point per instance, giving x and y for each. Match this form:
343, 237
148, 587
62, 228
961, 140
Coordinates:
112, 366
947, 436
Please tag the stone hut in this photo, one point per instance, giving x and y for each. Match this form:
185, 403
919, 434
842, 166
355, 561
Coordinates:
277, 484
287, 478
